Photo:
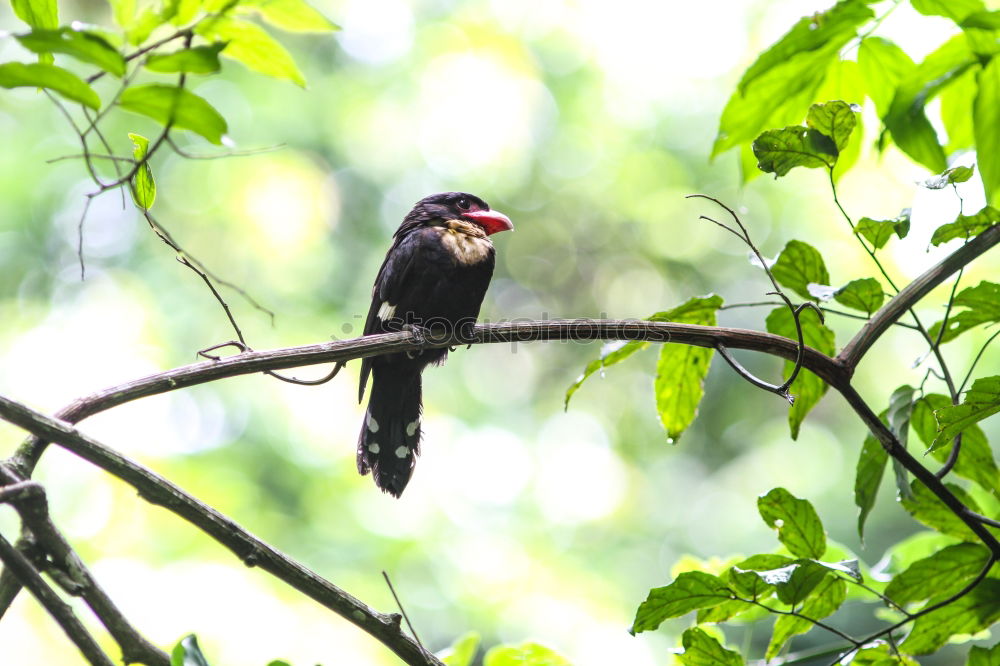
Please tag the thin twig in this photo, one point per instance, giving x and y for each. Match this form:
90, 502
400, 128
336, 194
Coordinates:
824, 309
924, 611
744, 235
968, 375
93, 156
794, 613
916, 319
186, 32
399, 605
232, 153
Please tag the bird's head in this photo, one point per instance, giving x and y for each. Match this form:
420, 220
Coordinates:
439, 209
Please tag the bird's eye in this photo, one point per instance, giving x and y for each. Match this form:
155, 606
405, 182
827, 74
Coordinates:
464, 204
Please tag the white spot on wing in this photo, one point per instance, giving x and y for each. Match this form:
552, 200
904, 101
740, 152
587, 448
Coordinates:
402, 452
386, 311
411, 427
373, 447
372, 423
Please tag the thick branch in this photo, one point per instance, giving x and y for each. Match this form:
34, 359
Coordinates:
892, 445
251, 550
345, 350
34, 512
53, 603
852, 353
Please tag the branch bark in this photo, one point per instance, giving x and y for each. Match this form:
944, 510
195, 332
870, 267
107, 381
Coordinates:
509, 332
248, 548
15, 561
912, 293
31, 504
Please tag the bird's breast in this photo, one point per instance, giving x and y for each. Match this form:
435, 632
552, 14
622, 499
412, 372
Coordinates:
465, 249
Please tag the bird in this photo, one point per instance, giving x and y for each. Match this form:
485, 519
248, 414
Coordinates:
434, 278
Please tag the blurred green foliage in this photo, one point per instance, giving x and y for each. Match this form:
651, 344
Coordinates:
587, 124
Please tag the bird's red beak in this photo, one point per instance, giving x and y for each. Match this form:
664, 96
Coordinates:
491, 221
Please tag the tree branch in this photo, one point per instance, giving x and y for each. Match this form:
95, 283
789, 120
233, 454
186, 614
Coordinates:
19, 565
909, 295
826, 368
32, 506
251, 550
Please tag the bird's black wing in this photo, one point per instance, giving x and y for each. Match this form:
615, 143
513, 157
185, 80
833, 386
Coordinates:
390, 286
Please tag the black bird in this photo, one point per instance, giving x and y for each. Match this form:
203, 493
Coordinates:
434, 277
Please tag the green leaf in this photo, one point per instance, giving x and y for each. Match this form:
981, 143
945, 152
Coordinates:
883, 65
981, 401
177, 107
957, 110
143, 186
849, 567
251, 45
983, 303
865, 294
795, 582
278, 662
694, 310
975, 461
744, 578
37, 13
943, 573
700, 649
681, 369
824, 601
798, 265
906, 121
56, 79
779, 151
611, 353
982, 19
84, 46
932, 512
868, 477
986, 128
123, 12
831, 29
966, 226
187, 653
690, 591
180, 12
969, 614
981, 656
799, 528
881, 655
525, 654
807, 388
462, 651
958, 174
898, 416
953, 9
878, 232
835, 120
143, 25
779, 97
291, 15
196, 60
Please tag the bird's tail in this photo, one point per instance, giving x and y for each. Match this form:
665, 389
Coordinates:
390, 435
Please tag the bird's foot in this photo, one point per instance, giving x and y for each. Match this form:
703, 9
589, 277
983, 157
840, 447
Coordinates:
419, 334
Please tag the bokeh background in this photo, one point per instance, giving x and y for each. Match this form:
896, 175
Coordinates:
586, 122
